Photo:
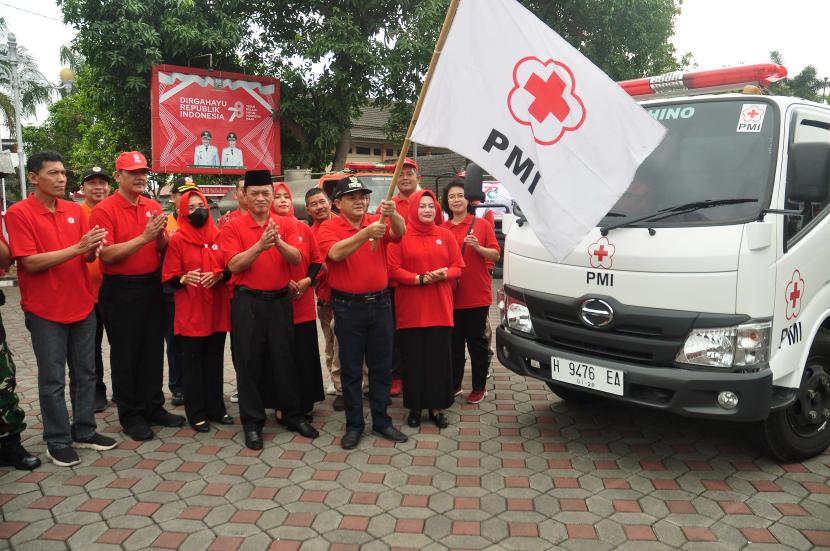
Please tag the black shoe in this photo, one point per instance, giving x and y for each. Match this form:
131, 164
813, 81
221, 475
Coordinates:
224, 420
178, 399
96, 442
139, 432
350, 440
63, 457
339, 403
439, 419
301, 426
166, 419
391, 433
99, 404
13, 454
253, 439
201, 426
414, 419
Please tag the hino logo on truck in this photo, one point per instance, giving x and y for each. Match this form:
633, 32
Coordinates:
596, 313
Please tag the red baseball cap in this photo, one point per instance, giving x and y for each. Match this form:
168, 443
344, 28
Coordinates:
131, 160
409, 161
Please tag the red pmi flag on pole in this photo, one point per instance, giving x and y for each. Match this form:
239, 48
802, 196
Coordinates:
214, 122
511, 95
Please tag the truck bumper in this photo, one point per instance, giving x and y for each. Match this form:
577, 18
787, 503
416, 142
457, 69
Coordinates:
687, 392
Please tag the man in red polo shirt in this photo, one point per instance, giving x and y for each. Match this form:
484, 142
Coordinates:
95, 185
51, 240
258, 249
131, 298
362, 307
225, 218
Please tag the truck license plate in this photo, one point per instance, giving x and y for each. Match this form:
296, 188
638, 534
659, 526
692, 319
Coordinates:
585, 375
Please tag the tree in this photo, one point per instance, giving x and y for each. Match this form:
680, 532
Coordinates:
35, 89
333, 56
804, 84
121, 40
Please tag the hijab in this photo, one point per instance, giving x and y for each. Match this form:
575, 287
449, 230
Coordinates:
205, 237
414, 224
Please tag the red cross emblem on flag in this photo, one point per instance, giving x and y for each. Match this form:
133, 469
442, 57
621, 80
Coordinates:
601, 254
753, 113
794, 295
544, 98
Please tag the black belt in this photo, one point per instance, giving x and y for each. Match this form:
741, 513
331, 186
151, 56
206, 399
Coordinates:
154, 277
360, 297
264, 295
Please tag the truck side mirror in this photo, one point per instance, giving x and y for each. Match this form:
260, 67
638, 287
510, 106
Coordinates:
472, 183
808, 172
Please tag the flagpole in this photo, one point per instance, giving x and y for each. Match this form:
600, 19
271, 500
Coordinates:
436, 53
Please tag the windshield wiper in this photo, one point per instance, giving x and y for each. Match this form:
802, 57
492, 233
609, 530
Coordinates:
673, 211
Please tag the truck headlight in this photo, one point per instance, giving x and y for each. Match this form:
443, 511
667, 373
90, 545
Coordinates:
737, 346
517, 315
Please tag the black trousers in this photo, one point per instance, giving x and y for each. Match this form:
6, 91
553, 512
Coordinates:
134, 320
100, 386
469, 329
397, 353
263, 332
202, 362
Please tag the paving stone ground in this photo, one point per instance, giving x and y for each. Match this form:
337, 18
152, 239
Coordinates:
522, 470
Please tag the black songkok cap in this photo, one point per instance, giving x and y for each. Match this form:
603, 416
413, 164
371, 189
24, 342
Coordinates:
258, 178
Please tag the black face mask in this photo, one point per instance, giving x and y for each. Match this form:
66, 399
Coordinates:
198, 217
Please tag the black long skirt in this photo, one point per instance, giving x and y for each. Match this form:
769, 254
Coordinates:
427, 367
307, 362
307, 371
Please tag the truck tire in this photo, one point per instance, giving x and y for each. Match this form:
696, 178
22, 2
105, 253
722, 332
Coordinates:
569, 394
802, 430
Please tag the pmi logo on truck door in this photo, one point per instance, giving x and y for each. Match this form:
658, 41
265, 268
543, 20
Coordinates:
794, 295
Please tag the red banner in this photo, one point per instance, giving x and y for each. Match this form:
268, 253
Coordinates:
214, 122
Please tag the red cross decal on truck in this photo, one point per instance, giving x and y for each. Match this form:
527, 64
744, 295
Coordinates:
548, 97
752, 113
601, 254
794, 295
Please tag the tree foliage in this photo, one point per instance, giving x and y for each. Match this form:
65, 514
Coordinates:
333, 57
121, 40
805, 84
35, 89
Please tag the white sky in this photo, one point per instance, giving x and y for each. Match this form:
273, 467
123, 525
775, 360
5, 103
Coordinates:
717, 32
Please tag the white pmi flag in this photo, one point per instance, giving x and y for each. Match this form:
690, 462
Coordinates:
511, 95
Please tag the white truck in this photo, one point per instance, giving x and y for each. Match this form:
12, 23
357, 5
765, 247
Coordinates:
705, 291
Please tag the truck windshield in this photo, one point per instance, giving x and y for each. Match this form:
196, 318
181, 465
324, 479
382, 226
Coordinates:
379, 185
714, 150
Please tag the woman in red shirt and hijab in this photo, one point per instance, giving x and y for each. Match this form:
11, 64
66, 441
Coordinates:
193, 266
424, 264
306, 347
474, 294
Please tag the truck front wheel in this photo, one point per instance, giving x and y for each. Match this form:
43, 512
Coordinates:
568, 394
802, 430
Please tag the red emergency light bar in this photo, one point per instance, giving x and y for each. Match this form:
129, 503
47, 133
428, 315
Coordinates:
702, 82
369, 167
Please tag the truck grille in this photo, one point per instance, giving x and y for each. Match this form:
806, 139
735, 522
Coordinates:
649, 336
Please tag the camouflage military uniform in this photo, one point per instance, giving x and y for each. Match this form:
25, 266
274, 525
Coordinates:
11, 416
